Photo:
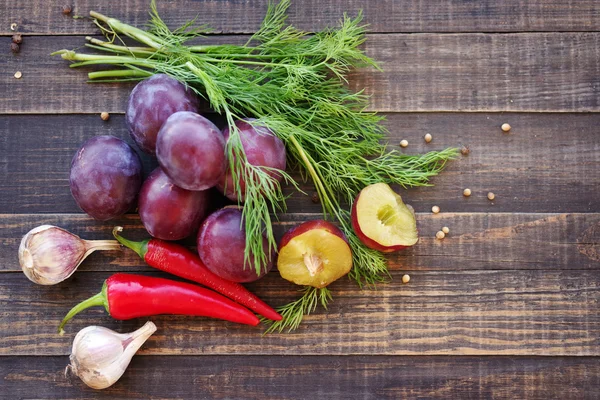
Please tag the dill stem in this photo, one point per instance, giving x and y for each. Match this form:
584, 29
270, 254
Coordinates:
251, 52
131, 31
141, 51
119, 73
311, 170
99, 16
248, 62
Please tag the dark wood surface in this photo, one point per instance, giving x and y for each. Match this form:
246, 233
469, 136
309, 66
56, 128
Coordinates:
234, 16
310, 377
506, 307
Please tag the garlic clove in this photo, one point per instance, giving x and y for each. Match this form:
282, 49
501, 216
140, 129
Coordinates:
100, 356
49, 254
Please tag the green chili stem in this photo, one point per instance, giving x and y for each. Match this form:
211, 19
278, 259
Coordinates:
99, 299
141, 248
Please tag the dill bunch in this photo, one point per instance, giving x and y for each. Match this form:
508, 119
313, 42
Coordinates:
293, 82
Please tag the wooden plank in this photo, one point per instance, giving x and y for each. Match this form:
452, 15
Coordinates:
382, 15
423, 72
520, 312
496, 241
520, 167
292, 377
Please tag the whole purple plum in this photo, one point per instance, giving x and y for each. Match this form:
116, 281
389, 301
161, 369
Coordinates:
105, 177
262, 148
191, 151
169, 212
221, 244
150, 104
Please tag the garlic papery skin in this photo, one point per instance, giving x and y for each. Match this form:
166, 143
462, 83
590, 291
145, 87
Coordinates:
49, 254
100, 356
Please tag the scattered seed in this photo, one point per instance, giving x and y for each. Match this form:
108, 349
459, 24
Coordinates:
467, 192
405, 278
435, 209
505, 127
14, 48
428, 138
491, 196
105, 116
403, 143
13, 26
446, 230
17, 38
67, 9
440, 235
465, 150
18, 74
315, 198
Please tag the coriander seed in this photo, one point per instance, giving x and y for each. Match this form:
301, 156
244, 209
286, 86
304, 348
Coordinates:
18, 74
428, 138
315, 198
440, 235
465, 150
446, 230
435, 209
491, 196
14, 48
13, 26
405, 278
505, 127
467, 192
403, 143
67, 9
17, 38
105, 116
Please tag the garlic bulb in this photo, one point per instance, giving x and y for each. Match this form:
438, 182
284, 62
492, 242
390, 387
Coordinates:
49, 255
100, 356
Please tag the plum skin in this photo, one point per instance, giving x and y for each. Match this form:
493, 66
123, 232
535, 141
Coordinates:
370, 243
221, 243
191, 151
169, 212
151, 102
262, 148
309, 226
105, 177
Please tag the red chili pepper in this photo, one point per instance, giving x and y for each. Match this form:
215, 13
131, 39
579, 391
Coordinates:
177, 260
127, 296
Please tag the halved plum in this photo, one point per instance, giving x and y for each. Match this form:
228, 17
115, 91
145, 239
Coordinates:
314, 253
382, 221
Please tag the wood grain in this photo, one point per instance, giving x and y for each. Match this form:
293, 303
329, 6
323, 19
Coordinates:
519, 312
498, 241
229, 16
298, 377
547, 163
505, 307
423, 72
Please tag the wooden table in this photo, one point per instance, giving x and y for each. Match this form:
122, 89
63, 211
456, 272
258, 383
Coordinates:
505, 307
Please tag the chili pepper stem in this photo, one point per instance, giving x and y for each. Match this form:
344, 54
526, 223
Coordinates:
99, 299
141, 248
